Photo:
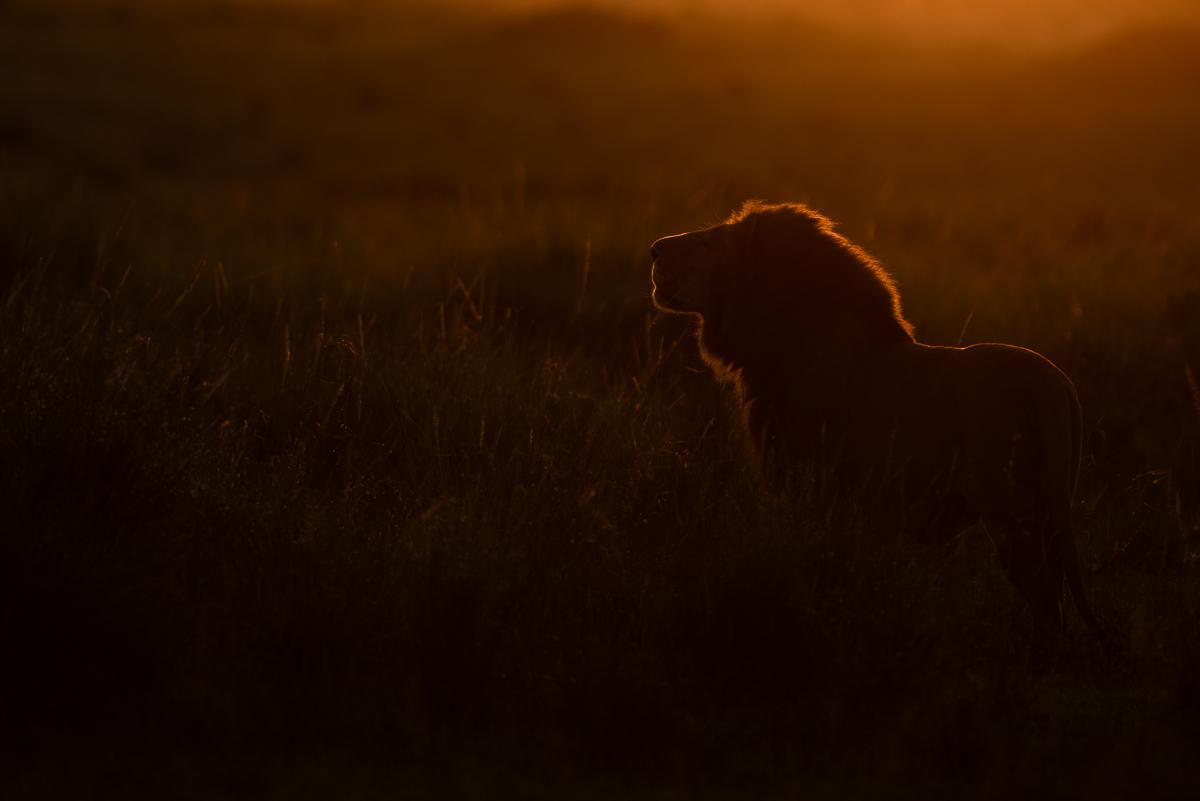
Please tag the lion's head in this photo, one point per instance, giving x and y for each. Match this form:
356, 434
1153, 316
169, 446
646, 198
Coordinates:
773, 271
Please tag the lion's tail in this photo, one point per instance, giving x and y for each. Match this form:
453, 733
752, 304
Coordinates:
1062, 530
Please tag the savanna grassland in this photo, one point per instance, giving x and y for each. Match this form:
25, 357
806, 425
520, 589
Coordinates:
343, 455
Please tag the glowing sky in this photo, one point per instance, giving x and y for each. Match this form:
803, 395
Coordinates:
1027, 20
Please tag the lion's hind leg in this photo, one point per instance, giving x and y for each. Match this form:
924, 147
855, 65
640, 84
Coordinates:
1033, 564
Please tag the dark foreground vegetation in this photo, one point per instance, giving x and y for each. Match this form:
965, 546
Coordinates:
341, 454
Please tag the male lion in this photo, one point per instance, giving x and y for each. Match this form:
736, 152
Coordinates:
809, 329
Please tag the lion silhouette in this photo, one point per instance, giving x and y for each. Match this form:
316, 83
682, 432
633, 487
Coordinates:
810, 331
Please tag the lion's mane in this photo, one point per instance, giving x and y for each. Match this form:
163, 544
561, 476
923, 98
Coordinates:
817, 285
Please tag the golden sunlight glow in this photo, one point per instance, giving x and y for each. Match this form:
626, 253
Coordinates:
1045, 21
1038, 22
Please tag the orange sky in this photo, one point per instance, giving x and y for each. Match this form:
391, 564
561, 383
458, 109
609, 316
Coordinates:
1022, 20
1029, 22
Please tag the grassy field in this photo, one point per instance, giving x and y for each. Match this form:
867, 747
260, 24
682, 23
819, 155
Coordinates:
341, 452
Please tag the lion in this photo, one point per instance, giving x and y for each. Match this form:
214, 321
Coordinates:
809, 329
